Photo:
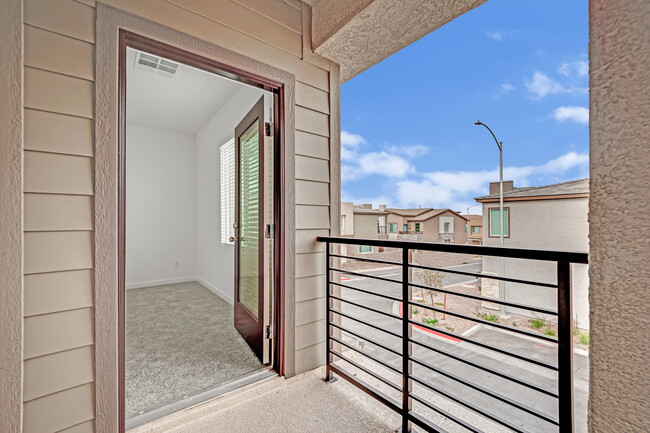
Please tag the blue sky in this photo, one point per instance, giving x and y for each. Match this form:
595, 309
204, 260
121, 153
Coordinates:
520, 66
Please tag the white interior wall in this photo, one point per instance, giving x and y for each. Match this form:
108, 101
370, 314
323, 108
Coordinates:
215, 261
161, 206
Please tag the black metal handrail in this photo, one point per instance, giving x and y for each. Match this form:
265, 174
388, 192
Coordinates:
564, 393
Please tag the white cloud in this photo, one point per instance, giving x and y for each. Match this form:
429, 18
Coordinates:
579, 68
385, 164
350, 144
499, 35
576, 114
507, 87
408, 151
453, 189
542, 85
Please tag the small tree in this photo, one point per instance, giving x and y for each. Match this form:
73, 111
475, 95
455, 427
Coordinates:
432, 279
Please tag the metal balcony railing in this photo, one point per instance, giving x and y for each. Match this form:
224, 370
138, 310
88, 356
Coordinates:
410, 232
335, 342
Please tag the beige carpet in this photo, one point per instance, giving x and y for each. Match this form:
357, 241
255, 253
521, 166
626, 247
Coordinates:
180, 340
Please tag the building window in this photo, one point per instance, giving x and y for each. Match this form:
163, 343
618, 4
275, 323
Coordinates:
392, 227
446, 227
475, 229
417, 227
465, 227
342, 222
495, 224
365, 249
227, 171
406, 227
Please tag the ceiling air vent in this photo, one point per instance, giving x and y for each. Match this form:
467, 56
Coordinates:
155, 64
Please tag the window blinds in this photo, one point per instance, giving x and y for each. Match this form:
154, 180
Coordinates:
227, 171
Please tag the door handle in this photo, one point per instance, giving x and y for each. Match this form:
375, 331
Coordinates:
233, 239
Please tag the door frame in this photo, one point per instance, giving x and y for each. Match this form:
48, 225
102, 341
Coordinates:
114, 29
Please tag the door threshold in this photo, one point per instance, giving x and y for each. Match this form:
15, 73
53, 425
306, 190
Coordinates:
199, 398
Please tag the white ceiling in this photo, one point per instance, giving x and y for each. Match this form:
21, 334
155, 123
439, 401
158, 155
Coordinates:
183, 103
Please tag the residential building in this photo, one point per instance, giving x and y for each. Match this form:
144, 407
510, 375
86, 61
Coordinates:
437, 225
550, 217
62, 195
475, 229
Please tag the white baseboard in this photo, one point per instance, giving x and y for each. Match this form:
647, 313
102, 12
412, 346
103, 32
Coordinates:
160, 282
228, 297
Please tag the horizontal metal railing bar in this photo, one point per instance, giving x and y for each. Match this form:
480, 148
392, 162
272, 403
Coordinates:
469, 406
482, 298
487, 323
361, 352
359, 274
515, 253
486, 391
477, 275
443, 413
366, 308
363, 386
368, 339
392, 298
425, 423
394, 334
487, 346
488, 370
367, 371
365, 259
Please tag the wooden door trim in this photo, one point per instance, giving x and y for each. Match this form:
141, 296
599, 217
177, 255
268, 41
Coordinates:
279, 88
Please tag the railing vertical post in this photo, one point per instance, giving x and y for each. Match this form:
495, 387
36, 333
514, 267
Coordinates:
407, 330
329, 358
565, 347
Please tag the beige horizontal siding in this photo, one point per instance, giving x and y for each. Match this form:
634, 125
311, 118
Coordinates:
312, 169
312, 121
312, 98
58, 174
58, 53
66, 17
246, 21
310, 264
316, 193
306, 241
309, 288
277, 10
58, 133
56, 412
84, 427
199, 26
56, 332
57, 372
58, 251
310, 311
58, 93
312, 145
309, 334
310, 357
312, 217
58, 291
55, 212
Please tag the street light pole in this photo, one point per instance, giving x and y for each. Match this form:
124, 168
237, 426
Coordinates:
502, 293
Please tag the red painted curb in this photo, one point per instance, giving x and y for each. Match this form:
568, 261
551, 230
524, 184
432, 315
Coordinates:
401, 313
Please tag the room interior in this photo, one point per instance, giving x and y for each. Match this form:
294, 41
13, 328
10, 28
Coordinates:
180, 338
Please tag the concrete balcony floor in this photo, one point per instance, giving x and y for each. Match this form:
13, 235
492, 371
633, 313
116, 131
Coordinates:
300, 404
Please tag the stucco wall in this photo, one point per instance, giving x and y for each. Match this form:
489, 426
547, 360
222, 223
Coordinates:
550, 225
619, 210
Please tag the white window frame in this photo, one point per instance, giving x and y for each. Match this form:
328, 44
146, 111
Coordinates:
227, 190
364, 246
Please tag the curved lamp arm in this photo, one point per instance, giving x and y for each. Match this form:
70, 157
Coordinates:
478, 122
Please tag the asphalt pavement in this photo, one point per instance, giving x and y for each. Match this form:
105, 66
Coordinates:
507, 394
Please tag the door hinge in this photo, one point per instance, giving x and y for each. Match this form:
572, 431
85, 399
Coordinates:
269, 231
268, 334
267, 128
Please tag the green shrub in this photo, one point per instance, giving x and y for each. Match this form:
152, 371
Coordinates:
420, 300
550, 332
584, 339
430, 320
440, 304
537, 323
415, 311
576, 332
488, 316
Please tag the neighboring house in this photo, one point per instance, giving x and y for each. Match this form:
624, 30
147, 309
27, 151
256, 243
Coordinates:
475, 229
551, 217
399, 226
439, 225
362, 221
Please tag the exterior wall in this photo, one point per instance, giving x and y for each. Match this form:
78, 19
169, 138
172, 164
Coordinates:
619, 70
59, 58
543, 224
365, 227
347, 212
431, 228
